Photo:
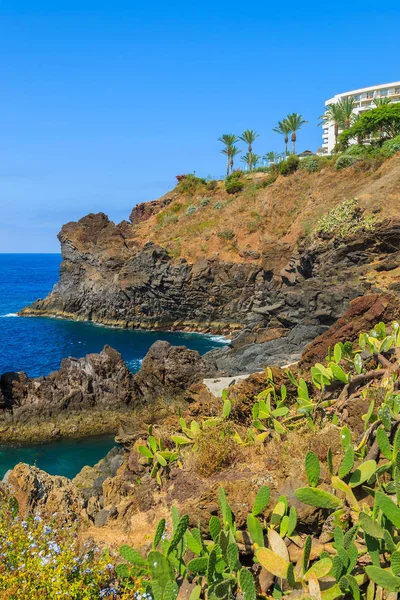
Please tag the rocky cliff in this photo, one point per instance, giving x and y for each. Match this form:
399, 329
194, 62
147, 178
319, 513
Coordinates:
278, 287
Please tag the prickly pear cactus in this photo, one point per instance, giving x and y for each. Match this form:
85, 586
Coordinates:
160, 568
317, 497
312, 468
247, 585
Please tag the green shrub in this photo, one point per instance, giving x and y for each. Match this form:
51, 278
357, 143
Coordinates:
345, 219
226, 234
212, 184
191, 209
219, 205
311, 164
234, 183
205, 201
345, 161
383, 121
361, 150
290, 165
391, 147
190, 184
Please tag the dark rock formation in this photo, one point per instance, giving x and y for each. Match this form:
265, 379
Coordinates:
167, 370
90, 395
143, 211
316, 289
106, 277
97, 381
362, 314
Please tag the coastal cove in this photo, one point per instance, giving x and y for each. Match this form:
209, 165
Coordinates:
60, 457
37, 346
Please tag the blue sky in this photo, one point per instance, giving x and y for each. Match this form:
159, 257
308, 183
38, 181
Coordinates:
102, 104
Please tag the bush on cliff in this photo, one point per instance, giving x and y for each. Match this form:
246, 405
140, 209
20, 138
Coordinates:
290, 165
311, 164
234, 183
391, 147
190, 184
345, 219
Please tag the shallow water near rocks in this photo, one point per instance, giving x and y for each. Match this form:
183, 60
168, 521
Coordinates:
62, 457
37, 346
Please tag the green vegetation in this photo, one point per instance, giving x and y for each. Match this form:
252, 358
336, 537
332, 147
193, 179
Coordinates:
358, 495
190, 184
311, 164
345, 219
39, 560
290, 165
230, 150
283, 129
294, 122
234, 183
226, 234
374, 125
250, 159
391, 147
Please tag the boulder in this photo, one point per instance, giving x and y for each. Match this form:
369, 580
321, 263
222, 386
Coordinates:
168, 371
50, 495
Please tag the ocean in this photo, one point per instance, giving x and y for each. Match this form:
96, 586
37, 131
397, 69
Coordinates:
36, 345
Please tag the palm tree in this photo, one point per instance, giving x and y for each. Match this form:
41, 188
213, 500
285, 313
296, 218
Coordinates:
294, 122
382, 101
346, 105
249, 136
271, 157
250, 159
229, 139
333, 116
284, 129
234, 152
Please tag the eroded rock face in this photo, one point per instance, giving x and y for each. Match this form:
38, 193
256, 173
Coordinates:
362, 314
97, 381
36, 490
143, 211
106, 277
94, 394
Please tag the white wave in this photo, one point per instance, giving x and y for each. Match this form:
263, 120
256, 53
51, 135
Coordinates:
9, 315
134, 363
219, 338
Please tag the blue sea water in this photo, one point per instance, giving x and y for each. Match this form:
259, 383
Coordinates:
37, 346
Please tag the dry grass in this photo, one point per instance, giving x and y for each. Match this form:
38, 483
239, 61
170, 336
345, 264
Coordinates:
215, 449
280, 213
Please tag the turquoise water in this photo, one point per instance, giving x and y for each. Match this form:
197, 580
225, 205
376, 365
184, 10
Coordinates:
63, 457
37, 346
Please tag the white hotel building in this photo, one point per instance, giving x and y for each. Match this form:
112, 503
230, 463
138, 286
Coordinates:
363, 101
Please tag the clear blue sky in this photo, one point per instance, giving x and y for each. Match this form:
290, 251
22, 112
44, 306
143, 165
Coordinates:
102, 104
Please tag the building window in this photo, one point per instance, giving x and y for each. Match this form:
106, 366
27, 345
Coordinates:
384, 93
